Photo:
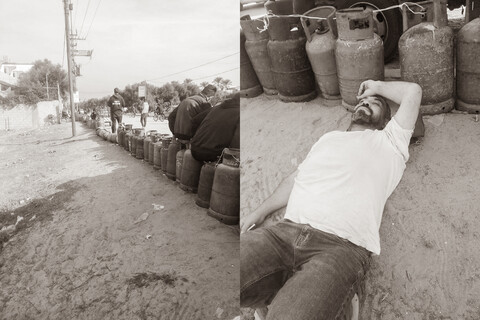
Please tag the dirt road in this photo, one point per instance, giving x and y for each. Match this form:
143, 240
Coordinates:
80, 250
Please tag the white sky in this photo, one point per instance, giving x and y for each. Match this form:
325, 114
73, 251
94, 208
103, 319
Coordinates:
132, 40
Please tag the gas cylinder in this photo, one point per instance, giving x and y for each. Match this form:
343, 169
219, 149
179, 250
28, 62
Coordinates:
256, 47
321, 38
128, 136
151, 147
121, 134
112, 138
139, 152
205, 183
249, 85
426, 58
146, 144
173, 148
468, 67
179, 164
133, 143
225, 197
358, 52
190, 173
157, 146
164, 152
292, 71
137, 132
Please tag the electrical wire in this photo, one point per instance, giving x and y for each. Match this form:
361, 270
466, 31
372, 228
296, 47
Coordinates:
75, 8
93, 18
86, 11
216, 74
168, 75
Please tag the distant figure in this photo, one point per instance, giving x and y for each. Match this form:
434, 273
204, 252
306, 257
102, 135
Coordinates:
144, 115
187, 109
219, 129
116, 104
93, 115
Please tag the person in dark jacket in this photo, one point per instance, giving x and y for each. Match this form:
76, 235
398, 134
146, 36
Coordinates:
188, 109
219, 129
171, 120
116, 104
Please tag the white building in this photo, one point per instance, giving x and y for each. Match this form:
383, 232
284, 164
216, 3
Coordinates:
9, 73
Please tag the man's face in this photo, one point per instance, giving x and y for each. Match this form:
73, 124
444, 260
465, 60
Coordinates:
210, 93
369, 110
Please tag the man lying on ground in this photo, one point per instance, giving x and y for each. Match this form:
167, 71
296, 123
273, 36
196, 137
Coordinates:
311, 264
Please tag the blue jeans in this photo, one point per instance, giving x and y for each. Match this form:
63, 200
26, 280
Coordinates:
300, 272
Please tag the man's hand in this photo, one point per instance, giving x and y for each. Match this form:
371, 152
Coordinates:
367, 88
407, 95
255, 218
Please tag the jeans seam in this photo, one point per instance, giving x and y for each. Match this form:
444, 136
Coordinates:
248, 284
349, 296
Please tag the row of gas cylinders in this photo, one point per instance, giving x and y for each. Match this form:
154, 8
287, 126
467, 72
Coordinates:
332, 52
217, 185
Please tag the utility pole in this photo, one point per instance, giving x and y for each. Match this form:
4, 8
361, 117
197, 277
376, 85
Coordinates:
69, 59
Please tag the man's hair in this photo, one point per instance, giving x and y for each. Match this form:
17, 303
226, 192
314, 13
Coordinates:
116, 90
386, 108
209, 87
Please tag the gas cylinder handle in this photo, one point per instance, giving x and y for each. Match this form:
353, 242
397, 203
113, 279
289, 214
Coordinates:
319, 12
304, 23
332, 25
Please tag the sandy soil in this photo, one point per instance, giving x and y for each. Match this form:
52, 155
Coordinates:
429, 267
81, 251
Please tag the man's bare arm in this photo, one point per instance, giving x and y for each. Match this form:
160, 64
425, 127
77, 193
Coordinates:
407, 94
278, 199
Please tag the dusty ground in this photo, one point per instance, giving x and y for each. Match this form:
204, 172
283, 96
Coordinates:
80, 253
429, 267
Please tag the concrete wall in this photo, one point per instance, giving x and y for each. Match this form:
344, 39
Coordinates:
29, 117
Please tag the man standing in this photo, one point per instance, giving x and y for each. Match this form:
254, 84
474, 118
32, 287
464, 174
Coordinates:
217, 130
116, 104
310, 265
188, 109
145, 109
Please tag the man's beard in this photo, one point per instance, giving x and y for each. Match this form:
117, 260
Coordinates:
360, 116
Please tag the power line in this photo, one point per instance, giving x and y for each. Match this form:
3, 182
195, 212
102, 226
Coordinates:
76, 10
216, 74
168, 75
93, 18
86, 11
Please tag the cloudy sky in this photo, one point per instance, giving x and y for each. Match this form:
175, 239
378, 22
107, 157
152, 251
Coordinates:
132, 40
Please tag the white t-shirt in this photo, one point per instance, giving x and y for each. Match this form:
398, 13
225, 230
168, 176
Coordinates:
145, 107
343, 184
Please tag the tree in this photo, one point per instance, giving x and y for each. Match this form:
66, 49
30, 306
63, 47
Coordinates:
32, 85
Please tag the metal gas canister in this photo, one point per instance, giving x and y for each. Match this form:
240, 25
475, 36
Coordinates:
321, 33
291, 69
249, 85
468, 67
225, 196
426, 58
358, 52
256, 47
